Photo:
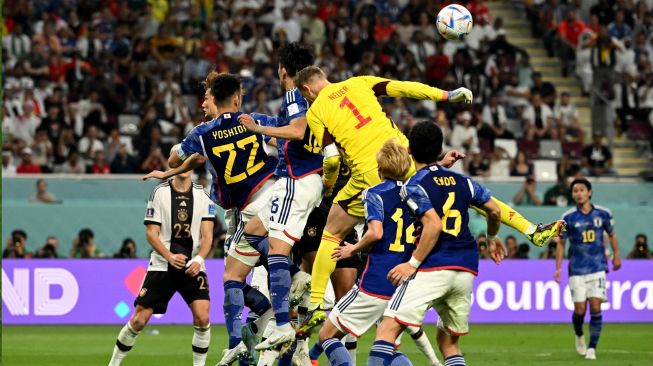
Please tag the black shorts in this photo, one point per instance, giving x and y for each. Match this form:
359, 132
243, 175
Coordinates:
159, 287
312, 236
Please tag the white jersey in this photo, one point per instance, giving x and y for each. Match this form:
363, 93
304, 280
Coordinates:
179, 215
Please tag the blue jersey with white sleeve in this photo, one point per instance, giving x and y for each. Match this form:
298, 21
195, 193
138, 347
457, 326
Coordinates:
585, 233
383, 203
297, 159
449, 194
235, 157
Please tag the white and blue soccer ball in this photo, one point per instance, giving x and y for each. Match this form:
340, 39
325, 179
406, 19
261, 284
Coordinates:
454, 22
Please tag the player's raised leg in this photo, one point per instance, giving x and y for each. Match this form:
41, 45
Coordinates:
538, 234
128, 333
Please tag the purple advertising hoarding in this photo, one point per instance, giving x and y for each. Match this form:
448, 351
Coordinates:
102, 292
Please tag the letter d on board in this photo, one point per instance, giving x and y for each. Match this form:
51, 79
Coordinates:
44, 304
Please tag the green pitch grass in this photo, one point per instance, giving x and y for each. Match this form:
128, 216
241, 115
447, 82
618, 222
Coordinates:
487, 345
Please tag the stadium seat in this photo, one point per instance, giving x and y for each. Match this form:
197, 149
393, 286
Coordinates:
128, 124
639, 130
486, 146
510, 146
530, 148
545, 170
550, 149
572, 149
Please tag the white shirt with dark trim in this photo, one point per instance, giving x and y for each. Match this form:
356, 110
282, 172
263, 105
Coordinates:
158, 213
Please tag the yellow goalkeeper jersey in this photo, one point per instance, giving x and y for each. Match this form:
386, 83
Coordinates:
349, 114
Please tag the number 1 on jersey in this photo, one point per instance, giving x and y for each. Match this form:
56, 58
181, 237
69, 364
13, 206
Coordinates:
362, 121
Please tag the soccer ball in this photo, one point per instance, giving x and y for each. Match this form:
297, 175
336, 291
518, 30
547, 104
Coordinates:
454, 22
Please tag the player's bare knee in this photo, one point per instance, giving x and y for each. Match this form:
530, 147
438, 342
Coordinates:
201, 320
140, 318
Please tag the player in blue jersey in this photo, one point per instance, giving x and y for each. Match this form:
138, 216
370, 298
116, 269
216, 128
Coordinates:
587, 261
440, 273
242, 180
296, 193
390, 241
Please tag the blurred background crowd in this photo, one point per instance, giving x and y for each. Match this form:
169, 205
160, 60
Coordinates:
108, 86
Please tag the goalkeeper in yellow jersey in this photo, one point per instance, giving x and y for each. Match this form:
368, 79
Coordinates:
346, 118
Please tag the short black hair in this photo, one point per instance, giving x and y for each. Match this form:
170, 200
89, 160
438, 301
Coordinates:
583, 181
294, 57
19, 232
223, 86
425, 142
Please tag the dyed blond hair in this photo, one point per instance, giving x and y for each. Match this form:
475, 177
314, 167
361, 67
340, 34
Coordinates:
393, 160
306, 75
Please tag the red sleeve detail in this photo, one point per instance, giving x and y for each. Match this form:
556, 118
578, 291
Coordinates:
380, 89
327, 139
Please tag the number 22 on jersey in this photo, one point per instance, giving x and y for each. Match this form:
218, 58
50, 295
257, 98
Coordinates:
232, 149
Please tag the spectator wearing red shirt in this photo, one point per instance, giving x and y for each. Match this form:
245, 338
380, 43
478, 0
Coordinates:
383, 29
99, 165
569, 31
26, 165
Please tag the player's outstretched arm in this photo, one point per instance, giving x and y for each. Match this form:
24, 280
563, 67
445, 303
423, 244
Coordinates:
194, 161
373, 234
450, 158
293, 131
416, 90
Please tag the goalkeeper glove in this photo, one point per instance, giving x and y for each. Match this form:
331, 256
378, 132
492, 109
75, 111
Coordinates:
461, 95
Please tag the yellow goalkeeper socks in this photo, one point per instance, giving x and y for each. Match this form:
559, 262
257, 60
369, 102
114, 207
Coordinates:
512, 218
323, 266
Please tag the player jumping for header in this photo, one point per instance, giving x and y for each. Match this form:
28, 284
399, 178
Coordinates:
347, 117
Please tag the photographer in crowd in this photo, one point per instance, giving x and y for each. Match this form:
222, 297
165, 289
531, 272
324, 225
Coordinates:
640, 250
16, 245
84, 247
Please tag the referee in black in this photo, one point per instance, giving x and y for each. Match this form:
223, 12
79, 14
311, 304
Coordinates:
179, 220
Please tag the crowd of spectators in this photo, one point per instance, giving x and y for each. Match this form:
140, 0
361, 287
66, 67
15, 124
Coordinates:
83, 246
76, 73
608, 44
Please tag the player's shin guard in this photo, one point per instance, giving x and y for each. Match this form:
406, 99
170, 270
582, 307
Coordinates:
124, 343
423, 344
323, 267
400, 359
336, 353
381, 354
351, 343
577, 320
259, 305
315, 351
279, 286
233, 309
457, 360
201, 342
596, 324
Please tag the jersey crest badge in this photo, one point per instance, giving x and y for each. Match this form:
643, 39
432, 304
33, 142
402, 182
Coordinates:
182, 215
598, 222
